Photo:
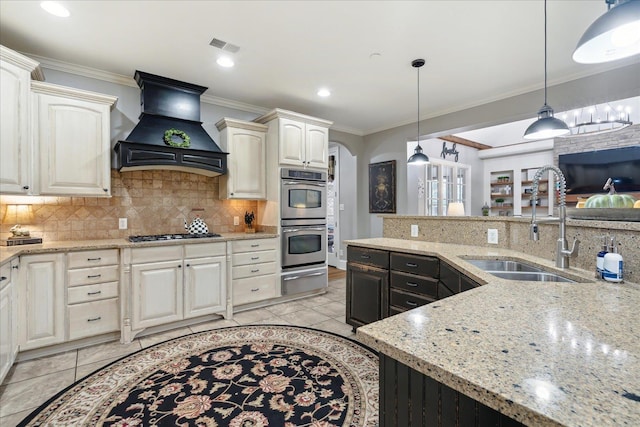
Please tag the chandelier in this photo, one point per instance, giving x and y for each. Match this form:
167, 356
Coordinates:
597, 119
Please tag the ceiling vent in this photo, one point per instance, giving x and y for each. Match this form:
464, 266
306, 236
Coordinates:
221, 44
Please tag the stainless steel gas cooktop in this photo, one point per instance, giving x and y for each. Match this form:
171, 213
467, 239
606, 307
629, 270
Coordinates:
156, 237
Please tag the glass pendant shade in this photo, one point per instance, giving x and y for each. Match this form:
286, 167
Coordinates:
546, 126
614, 35
418, 157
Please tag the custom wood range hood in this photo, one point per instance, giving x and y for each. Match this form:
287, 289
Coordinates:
170, 115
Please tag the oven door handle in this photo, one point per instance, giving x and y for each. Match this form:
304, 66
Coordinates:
293, 230
321, 273
303, 183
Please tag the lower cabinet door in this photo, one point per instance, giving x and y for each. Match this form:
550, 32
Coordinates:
205, 286
156, 293
7, 338
367, 294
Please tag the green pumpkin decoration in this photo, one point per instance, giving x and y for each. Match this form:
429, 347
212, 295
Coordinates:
611, 200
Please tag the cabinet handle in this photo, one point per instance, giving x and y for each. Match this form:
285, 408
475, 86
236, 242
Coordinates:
180, 266
411, 303
15, 267
255, 245
255, 289
94, 293
95, 319
94, 259
253, 258
26, 187
255, 271
412, 265
93, 276
3, 278
188, 265
365, 256
412, 284
231, 194
105, 190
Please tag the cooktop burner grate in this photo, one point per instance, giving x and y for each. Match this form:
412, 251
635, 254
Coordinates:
156, 237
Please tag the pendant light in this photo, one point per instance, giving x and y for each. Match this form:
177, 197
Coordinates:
614, 35
546, 126
418, 157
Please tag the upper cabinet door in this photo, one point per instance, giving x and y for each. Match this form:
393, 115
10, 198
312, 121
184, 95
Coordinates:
74, 146
317, 146
14, 132
292, 142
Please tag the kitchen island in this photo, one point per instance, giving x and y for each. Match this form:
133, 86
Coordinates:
544, 354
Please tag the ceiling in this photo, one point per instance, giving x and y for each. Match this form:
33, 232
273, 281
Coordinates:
475, 51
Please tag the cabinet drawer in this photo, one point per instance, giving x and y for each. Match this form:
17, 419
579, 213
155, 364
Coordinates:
253, 245
253, 270
253, 290
408, 300
93, 318
87, 293
92, 258
396, 310
375, 257
416, 264
247, 258
415, 284
160, 253
201, 250
86, 276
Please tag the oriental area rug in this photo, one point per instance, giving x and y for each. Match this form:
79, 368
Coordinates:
266, 375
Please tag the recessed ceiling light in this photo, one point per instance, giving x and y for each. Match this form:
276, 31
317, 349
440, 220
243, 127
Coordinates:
324, 93
225, 61
55, 8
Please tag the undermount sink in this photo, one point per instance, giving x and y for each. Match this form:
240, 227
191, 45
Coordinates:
516, 270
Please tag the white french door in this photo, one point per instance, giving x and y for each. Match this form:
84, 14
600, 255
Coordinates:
445, 182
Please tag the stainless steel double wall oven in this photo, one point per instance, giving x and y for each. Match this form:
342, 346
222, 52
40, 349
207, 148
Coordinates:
303, 214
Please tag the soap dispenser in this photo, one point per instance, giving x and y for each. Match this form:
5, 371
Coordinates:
613, 264
600, 257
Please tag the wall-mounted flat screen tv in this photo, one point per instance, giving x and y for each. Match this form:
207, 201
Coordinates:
586, 173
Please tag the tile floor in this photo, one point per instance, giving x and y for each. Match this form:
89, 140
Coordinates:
31, 383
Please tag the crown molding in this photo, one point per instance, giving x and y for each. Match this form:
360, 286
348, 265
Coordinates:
57, 90
120, 79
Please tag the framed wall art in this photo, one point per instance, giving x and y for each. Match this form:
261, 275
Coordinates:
382, 187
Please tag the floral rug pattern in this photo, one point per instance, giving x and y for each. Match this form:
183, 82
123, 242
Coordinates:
255, 376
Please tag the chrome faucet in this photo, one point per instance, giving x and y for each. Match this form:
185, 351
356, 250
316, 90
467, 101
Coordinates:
562, 247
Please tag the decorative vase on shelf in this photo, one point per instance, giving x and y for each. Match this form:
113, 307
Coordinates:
248, 220
485, 209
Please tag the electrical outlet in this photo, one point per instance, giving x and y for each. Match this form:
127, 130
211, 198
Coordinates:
341, 206
236, 220
414, 230
341, 253
122, 223
492, 236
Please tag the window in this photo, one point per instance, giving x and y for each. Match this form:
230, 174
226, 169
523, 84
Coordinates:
445, 182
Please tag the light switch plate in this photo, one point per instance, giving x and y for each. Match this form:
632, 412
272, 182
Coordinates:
122, 223
414, 230
236, 220
492, 236
341, 206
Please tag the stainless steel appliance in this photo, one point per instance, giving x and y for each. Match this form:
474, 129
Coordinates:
303, 194
303, 214
304, 242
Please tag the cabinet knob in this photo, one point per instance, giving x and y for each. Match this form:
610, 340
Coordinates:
188, 265
106, 190
15, 267
26, 187
3, 278
231, 194
180, 266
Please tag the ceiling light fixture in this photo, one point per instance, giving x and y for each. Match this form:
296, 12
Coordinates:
546, 126
614, 35
225, 61
55, 8
324, 93
598, 119
418, 157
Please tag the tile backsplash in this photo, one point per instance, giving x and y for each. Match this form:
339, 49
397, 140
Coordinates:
153, 202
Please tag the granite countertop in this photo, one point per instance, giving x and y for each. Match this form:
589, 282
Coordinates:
9, 252
545, 354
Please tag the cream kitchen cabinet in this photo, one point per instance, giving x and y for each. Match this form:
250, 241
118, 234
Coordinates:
246, 164
71, 134
303, 141
41, 300
253, 271
92, 293
8, 317
172, 283
15, 78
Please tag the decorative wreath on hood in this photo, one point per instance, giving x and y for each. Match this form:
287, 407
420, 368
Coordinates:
168, 138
